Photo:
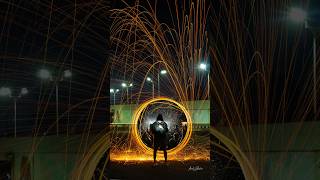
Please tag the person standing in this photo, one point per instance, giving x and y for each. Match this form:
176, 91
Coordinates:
159, 130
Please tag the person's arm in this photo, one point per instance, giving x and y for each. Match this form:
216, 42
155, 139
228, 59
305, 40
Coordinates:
151, 128
166, 127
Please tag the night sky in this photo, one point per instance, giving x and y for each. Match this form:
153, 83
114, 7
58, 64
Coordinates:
65, 35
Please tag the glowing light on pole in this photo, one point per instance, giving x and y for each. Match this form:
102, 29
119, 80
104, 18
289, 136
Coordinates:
203, 67
114, 92
45, 74
24, 91
150, 80
67, 74
162, 72
124, 85
6, 92
299, 15
127, 86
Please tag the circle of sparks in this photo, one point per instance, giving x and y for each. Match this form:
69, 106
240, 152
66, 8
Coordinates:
136, 117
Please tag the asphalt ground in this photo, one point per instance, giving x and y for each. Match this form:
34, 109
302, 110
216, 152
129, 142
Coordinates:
174, 170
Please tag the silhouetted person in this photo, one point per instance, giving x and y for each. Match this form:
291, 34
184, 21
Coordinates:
159, 130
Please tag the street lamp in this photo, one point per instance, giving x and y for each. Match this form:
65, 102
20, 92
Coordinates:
24, 91
162, 72
150, 80
114, 91
126, 86
6, 92
298, 15
203, 67
45, 74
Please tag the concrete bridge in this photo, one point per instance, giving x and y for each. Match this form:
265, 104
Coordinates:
121, 115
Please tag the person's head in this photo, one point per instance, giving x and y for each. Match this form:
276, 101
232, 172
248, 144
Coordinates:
159, 117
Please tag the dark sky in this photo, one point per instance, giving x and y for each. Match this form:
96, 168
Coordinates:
58, 36
285, 50
64, 35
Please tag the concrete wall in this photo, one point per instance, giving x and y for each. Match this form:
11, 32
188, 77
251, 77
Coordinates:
282, 151
53, 159
199, 111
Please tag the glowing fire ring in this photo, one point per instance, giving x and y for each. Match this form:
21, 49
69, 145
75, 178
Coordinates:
135, 131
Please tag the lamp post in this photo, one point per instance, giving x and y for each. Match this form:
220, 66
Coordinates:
130, 86
4, 91
298, 15
44, 74
127, 86
114, 92
150, 80
124, 85
203, 67
162, 72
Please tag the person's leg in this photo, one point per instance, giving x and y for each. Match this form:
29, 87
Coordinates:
155, 148
165, 154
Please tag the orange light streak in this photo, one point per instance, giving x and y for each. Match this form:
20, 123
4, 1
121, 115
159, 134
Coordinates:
135, 132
